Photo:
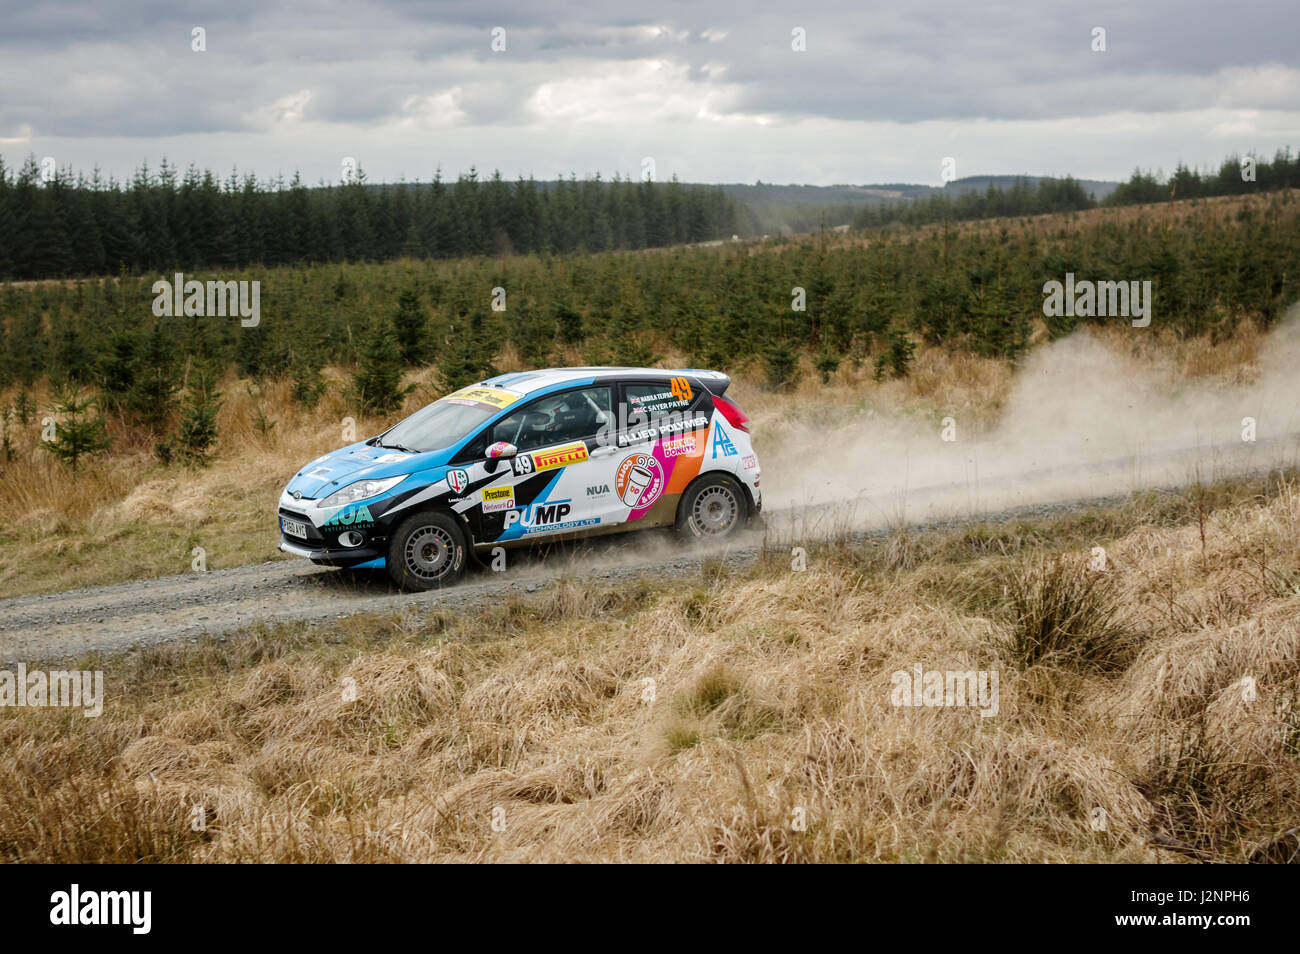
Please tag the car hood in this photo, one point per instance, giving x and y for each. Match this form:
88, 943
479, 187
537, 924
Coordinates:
339, 468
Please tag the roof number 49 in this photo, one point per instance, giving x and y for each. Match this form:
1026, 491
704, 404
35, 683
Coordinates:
681, 389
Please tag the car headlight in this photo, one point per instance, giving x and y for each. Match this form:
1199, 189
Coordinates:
360, 490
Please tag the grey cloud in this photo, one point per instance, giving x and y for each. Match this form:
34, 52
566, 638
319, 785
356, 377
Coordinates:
363, 62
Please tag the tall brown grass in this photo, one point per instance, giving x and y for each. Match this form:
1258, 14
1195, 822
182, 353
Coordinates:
743, 717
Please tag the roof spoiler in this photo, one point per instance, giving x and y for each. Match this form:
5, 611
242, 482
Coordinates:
715, 381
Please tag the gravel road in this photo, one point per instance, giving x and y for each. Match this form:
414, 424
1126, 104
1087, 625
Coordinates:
129, 616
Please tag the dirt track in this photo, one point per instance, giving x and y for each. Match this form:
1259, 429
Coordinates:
127, 616
131, 616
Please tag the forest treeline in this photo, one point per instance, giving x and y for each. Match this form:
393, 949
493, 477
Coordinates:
973, 289
73, 225
1068, 195
163, 220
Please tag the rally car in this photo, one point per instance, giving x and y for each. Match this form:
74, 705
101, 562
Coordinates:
554, 454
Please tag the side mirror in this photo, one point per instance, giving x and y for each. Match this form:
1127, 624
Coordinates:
501, 450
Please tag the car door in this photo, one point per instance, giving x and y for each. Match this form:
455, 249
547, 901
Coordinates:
556, 482
660, 446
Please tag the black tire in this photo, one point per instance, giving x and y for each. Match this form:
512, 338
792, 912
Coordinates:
713, 508
427, 551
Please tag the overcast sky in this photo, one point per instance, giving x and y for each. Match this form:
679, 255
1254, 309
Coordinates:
712, 91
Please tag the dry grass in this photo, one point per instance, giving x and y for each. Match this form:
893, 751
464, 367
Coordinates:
125, 516
1066, 614
747, 717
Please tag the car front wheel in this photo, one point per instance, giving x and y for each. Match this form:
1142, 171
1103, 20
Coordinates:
426, 551
712, 508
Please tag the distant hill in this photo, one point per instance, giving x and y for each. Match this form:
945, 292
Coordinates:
766, 208
768, 194
1098, 188
785, 209
784, 205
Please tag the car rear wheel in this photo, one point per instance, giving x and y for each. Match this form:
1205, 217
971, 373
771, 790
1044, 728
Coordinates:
426, 551
712, 508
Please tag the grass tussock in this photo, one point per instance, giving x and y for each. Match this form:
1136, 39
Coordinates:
1146, 712
1066, 613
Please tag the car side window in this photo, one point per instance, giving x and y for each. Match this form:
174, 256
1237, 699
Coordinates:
655, 400
555, 419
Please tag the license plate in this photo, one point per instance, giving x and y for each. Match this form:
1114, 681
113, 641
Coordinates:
293, 528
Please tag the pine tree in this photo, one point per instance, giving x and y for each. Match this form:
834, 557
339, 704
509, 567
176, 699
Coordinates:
634, 351
308, 382
28, 346
413, 247
251, 352
261, 423
6, 445
70, 357
532, 337
999, 328
155, 381
409, 325
897, 358
43, 250
469, 355
827, 363
198, 427
6, 372
115, 370
79, 429
377, 382
24, 407
568, 324
782, 366
8, 225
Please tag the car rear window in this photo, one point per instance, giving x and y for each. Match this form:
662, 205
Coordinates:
652, 402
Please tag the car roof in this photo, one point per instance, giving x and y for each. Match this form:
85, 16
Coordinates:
531, 382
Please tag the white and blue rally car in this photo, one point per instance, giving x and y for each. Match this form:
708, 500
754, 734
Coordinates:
555, 454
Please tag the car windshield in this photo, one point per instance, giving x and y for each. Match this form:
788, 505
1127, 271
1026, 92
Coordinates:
439, 425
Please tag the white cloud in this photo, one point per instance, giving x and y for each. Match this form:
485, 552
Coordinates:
286, 109
713, 92
1271, 86
435, 109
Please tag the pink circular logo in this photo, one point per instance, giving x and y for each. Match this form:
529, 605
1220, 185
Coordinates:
639, 481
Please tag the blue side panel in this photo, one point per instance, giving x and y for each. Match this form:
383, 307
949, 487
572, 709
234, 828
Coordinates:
517, 531
378, 564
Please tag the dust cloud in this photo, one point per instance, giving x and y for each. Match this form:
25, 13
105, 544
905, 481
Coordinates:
1081, 421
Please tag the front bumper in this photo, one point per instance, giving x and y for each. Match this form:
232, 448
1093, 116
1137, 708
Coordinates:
349, 557
325, 549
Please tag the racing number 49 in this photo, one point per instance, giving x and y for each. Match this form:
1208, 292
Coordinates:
681, 389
